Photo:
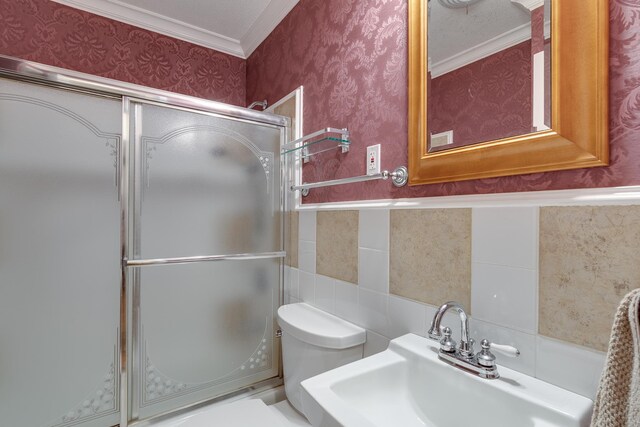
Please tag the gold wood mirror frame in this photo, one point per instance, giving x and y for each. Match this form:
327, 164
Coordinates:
578, 137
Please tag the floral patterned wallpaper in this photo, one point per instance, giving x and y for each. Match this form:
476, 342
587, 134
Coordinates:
350, 55
485, 100
49, 33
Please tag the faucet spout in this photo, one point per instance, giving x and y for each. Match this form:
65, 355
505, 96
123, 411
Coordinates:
434, 332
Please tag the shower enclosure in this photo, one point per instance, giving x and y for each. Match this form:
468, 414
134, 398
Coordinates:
141, 249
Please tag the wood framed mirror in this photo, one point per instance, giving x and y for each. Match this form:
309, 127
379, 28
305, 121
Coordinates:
578, 133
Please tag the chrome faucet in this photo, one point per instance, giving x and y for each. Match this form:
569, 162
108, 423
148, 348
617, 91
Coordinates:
466, 344
482, 364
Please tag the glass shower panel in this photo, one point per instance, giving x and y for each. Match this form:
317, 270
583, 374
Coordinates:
203, 185
209, 185
59, 257
206, 329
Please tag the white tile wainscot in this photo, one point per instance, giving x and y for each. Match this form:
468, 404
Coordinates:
287, 285
293, 286
504, 290
387, 317
307, 256
505, 236
505, 296
504, 269
307, 242
569, 366
406, 316
373, 270
373, 311
373, 230
307, 284
325, 295
307, 226
346, 304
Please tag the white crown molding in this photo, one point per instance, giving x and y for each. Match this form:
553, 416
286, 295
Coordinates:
142, 18
580, 197
265, 24
491, 46
529, 5
261, 28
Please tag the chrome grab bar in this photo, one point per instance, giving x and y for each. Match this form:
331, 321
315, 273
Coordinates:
206, 258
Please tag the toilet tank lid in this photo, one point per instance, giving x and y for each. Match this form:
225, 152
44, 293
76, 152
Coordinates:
320, 328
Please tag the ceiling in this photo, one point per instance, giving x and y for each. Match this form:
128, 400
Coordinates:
236, 27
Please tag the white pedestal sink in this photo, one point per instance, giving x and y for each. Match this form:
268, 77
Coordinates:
408, 386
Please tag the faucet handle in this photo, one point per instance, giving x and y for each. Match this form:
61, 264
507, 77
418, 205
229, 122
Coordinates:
447, 344
507, 350
486, 358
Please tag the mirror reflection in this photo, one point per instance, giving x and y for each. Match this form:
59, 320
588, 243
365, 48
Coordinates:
489, 70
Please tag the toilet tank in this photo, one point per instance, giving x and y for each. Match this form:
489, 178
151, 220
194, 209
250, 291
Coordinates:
314, 342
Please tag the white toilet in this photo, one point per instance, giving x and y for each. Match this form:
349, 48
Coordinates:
313, 342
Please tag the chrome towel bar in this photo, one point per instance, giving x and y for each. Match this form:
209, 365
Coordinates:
399, 177
191, 259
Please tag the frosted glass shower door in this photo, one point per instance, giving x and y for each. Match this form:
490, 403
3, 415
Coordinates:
59, 257
203, 185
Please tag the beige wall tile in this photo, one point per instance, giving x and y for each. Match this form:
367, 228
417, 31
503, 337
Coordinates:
337, 245
430, 255
589, 259
292, 244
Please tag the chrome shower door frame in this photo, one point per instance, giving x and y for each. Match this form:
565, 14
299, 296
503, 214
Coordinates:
131, 231
33, 72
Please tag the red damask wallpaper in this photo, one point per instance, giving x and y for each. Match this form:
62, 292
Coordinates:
485, 100
350, 55
49, 33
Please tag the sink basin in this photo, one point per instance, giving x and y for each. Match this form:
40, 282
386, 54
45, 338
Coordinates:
407, 385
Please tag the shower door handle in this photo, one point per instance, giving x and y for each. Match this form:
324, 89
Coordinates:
206, 258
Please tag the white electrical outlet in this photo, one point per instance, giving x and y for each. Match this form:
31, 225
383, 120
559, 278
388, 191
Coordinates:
373, 159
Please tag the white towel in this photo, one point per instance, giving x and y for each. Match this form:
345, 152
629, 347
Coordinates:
618, 399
